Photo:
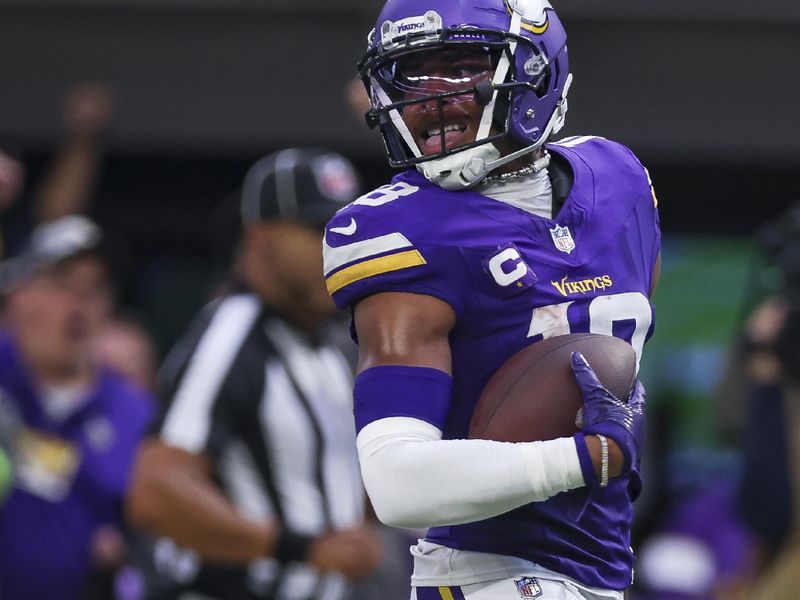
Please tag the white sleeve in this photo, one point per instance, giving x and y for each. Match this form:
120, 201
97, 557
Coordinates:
415, 479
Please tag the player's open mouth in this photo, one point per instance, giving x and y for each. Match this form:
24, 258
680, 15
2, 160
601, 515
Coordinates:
431, 139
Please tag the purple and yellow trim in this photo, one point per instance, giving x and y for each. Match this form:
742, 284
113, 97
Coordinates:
374, 266
440, 593
537, 29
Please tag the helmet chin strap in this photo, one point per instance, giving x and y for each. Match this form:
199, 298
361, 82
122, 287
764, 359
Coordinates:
462, 170
466, 169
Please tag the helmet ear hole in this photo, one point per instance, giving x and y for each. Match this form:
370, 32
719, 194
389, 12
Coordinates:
536, 70
540, 87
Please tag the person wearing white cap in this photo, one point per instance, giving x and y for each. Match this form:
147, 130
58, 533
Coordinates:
71, 425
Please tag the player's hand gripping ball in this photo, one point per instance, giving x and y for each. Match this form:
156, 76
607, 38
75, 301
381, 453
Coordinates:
603, 413
534, 394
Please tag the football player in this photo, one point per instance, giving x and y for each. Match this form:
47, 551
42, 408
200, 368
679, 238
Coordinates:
492, 238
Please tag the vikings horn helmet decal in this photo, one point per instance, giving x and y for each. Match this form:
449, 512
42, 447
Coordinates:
514, 65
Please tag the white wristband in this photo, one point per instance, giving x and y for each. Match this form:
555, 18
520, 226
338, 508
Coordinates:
603, 460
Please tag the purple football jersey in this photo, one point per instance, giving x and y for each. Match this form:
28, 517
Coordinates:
71, 477
514, 278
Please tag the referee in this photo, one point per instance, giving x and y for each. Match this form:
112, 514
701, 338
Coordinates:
251, 486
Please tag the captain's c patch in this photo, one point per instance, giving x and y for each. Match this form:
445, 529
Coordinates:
509, 270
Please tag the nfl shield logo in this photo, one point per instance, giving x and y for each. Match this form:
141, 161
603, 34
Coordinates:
562, 238
528, 587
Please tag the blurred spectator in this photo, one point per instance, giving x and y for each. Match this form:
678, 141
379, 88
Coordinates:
252, 484
767, 496
770, 490
124, 344
357, 100
736, 536
71, 178
73, 424
12, 177
701, 551
68, 182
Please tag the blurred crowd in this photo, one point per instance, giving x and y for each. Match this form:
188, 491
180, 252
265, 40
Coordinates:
723, 525
128, 475
108, 489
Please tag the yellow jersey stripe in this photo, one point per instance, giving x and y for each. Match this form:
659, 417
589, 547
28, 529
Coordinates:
446, 593
375, 266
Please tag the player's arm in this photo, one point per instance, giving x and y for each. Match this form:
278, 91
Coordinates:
413, 476
70, 179
173, 495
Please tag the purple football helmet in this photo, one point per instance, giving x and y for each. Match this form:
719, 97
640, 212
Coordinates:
428, 60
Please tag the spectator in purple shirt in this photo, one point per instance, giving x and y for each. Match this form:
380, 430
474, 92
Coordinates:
73, 424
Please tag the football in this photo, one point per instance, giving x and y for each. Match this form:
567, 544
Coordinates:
533, 395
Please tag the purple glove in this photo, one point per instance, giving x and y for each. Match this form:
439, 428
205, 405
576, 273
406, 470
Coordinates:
604, 414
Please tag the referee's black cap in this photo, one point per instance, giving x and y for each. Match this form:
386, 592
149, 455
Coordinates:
299, 184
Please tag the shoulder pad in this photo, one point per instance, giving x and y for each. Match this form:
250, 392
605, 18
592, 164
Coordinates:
608, 158
600, 152
371, 236
390, 240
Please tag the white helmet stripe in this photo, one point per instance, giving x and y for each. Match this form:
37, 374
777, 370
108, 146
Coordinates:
397, 119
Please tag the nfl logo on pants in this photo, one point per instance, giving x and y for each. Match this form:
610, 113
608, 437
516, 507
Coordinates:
528, 587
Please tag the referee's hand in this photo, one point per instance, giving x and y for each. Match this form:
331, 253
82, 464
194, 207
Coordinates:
354, 553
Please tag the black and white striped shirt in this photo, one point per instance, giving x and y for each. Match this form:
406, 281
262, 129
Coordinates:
274, 411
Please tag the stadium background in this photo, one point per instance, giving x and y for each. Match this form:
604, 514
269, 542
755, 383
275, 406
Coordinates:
705, 92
